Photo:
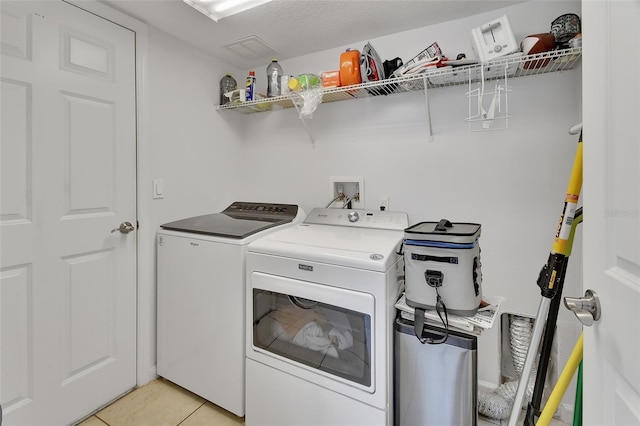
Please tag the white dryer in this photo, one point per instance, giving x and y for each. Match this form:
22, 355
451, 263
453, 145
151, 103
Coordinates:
201, 297
320, 311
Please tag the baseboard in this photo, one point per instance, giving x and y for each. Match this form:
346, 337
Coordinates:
144, 377
484, 386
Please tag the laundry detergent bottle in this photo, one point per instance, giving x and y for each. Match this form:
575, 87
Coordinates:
350, 68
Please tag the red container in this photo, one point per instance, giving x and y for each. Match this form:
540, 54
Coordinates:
350, 68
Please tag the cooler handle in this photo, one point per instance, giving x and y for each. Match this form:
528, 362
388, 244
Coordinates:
443, 225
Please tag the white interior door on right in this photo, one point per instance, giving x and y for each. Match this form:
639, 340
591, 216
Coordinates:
611, 233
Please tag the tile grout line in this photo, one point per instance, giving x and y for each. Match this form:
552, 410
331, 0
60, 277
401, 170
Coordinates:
191, 414
103, 421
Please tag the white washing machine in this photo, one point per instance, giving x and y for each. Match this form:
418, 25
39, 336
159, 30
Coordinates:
201, 297
320, 311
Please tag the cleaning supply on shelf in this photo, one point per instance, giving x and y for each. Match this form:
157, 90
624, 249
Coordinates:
331, 78
274, 72
250, 89
284, 84
227, 84
350, 68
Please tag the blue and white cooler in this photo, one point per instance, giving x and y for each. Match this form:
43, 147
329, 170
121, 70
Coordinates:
442, 266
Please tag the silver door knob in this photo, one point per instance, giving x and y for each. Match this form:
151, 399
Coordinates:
125, 228
586, 308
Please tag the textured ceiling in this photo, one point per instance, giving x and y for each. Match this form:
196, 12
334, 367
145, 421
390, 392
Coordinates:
297, 27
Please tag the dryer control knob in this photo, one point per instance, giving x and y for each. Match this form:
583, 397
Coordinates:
353, 216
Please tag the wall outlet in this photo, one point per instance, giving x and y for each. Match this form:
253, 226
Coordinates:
346, 188
383, 202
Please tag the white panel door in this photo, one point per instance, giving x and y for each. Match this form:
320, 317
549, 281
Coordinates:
68, 177
611, 115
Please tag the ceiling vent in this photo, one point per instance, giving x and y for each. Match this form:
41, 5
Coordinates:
251, 47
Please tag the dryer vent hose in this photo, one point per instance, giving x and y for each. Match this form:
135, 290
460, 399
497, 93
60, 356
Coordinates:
499, 403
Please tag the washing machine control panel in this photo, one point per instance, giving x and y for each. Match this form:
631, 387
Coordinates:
263, 211
359, 218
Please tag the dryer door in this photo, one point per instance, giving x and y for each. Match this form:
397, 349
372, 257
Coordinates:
312, 330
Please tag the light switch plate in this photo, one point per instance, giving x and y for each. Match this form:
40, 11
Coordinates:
158, 188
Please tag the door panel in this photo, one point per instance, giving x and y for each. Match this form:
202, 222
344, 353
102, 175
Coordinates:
17, 339
16, 151
611, 115
86, 56
88, 151
89, 338
68, 287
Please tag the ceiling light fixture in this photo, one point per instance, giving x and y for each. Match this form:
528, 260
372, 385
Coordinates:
218, 9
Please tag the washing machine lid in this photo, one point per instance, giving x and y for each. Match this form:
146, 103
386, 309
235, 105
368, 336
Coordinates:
347, 244
238, 221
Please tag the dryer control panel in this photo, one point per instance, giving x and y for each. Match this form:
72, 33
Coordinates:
375, 219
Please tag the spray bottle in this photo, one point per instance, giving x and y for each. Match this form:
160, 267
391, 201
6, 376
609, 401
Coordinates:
250, 93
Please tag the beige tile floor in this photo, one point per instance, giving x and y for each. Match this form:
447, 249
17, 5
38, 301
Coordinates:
162, 403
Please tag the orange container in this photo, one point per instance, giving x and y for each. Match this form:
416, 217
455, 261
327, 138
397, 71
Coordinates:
350, 68
331, 79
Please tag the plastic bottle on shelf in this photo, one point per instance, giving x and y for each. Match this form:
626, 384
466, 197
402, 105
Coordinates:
227, 84
274, 73
350, 68
250, 92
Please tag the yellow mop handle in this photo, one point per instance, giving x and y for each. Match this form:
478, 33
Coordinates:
563, 382
570, 205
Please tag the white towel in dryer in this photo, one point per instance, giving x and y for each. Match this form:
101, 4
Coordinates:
313, 337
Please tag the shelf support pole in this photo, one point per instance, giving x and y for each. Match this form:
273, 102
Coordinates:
426, 102
306, 127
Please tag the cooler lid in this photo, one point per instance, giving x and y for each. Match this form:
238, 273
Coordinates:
443, 230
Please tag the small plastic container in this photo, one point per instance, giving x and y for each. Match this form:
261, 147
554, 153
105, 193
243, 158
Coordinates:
227, 84
350, 68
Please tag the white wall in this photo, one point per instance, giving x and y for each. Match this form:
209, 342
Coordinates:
189, 146
511, 181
